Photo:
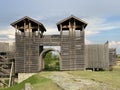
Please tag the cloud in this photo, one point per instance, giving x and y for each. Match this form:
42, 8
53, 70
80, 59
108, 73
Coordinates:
51, 31
97, 25
8, 35
114, 44
79, 7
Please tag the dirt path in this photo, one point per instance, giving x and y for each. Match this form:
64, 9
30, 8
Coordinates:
70, 82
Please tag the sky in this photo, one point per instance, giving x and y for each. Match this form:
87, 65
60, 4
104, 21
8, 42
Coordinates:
102, 16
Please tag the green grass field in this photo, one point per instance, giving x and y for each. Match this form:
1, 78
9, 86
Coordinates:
111, 78
39, 82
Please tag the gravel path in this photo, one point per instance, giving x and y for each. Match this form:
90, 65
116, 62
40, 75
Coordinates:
70, 82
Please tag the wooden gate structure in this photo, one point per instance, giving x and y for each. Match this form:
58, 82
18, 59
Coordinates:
30, 40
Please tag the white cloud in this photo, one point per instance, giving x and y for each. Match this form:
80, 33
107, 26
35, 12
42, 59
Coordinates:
8, 35
51, 31
11, 36
97, 25
114, 44
7, 31
7, 41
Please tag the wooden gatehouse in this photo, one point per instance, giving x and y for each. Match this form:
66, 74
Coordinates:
30, 41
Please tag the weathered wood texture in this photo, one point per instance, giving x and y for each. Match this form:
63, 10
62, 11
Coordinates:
50, 40
112, 56
72, 52
97, 56
28, 51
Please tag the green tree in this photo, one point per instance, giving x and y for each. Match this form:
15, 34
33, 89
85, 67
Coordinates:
51, 62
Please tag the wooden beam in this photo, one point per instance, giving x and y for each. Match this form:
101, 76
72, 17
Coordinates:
11, 72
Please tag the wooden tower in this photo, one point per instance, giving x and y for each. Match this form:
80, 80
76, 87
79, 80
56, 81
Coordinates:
28, 35
72, 43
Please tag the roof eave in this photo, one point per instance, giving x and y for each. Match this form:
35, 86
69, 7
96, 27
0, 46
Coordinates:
26, 17
72, 16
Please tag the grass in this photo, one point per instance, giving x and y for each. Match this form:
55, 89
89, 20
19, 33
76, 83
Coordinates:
118, 58
111, 78
38, 83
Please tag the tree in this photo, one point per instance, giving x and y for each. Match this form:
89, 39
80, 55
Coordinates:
51, 62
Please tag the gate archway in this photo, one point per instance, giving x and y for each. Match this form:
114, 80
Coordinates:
43, 54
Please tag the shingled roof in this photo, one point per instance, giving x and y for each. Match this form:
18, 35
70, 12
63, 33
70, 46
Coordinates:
30, 19
81, 22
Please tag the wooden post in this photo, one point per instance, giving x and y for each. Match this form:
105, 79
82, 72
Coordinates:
24, 46
38, 31
11, 72
70, 51
61, 45
16, 29
60, 29
74, 29
29, 28
24, 28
